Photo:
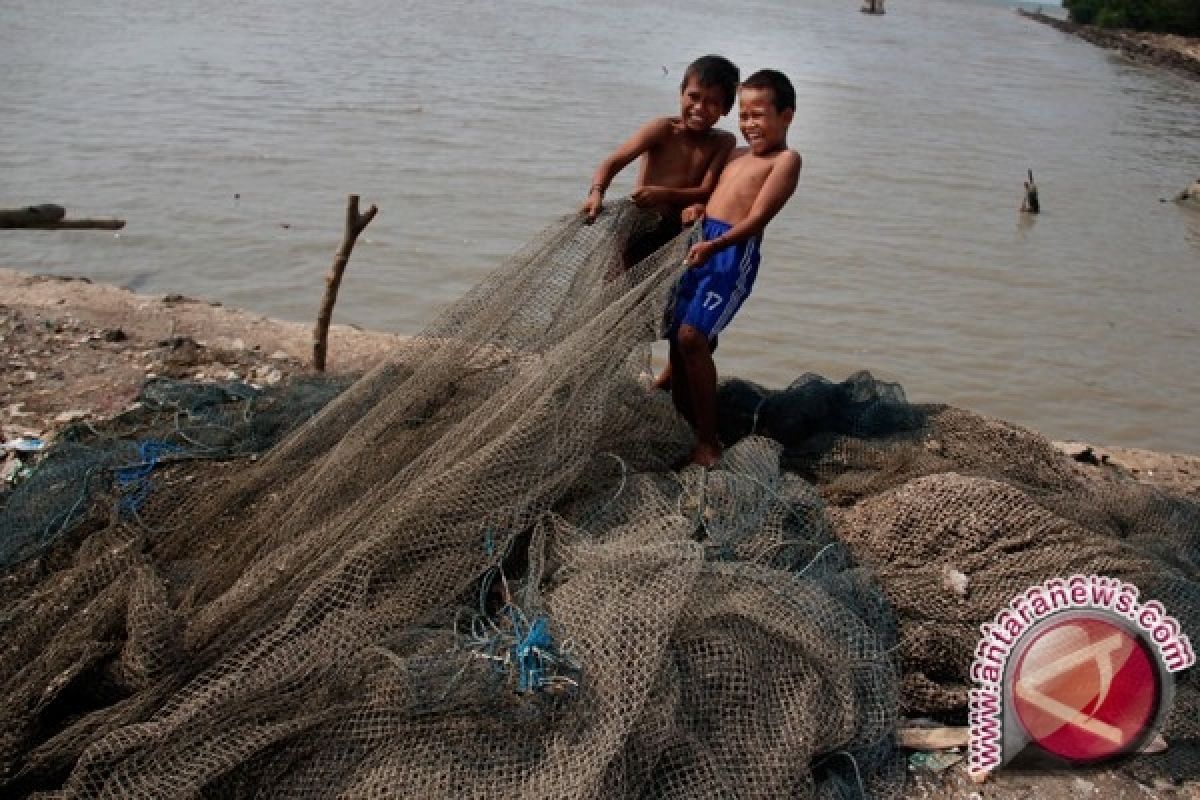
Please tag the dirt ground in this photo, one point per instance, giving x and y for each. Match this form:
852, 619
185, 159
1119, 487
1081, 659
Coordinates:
1185, 45
71, 349
1048, 783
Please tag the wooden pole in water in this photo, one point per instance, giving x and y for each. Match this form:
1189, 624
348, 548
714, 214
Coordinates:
1030, 204
355, 223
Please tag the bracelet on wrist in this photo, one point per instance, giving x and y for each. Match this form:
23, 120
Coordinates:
596, 187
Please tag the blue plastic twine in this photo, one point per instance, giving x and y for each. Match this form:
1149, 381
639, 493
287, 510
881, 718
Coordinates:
133, 480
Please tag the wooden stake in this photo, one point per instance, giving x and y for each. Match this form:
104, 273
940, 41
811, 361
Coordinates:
355, 223
1030, 204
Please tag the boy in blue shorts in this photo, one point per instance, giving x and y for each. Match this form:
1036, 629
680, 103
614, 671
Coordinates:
756, 183
681, 156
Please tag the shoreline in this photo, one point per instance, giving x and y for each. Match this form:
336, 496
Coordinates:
1180, 54
72, 349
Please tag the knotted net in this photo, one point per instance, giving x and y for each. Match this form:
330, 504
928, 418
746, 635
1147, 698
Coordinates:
476, 573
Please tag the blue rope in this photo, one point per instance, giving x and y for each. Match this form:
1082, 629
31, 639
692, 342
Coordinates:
522, 646
133, 480
528, 655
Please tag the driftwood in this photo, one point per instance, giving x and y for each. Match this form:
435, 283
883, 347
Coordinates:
31, 215
74, 224
931, 738
50, 217
355, 223
948, 738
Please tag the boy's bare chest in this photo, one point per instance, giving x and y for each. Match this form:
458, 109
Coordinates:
685, 158
747, 167
746, 171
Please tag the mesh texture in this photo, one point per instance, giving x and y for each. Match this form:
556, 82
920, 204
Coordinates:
475, 572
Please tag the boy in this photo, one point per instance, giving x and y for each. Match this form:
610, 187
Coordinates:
754, 186
682, 155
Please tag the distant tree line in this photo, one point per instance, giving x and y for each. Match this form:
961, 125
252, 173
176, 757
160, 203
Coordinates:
1164, 16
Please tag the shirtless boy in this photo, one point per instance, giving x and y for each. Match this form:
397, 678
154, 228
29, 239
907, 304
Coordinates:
682, 156
753, 187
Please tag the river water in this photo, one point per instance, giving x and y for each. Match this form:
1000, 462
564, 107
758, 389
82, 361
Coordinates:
229, 133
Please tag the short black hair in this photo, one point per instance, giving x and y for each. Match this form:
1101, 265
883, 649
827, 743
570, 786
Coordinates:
781, 88
715, 71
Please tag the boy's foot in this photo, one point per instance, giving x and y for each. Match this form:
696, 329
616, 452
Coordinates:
706, 455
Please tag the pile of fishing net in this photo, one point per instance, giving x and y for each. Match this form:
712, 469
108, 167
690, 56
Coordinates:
123, 459
477, 572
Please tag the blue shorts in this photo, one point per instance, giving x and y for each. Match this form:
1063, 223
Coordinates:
708, 296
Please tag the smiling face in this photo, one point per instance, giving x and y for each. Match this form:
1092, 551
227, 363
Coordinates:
700, 107
763, 126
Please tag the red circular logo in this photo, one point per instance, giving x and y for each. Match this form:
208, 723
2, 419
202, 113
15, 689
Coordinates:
1085, 688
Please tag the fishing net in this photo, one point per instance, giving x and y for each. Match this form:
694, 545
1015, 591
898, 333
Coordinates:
477, 572
955, 514
125, 458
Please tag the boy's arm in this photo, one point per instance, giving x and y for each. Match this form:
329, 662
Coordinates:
775, 192
662, 196
645, 138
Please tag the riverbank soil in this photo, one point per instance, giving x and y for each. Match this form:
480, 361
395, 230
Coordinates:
71, 349
1180, 53
1100, 783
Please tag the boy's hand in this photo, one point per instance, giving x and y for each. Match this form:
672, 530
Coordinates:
649, 196
700, 253
591, 207
692, 213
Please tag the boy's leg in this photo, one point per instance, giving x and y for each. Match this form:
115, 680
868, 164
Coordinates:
695, 365
680, 394
717, 290
663, 381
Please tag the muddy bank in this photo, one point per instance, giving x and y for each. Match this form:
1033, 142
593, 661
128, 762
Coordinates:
71, 349
1180, 53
